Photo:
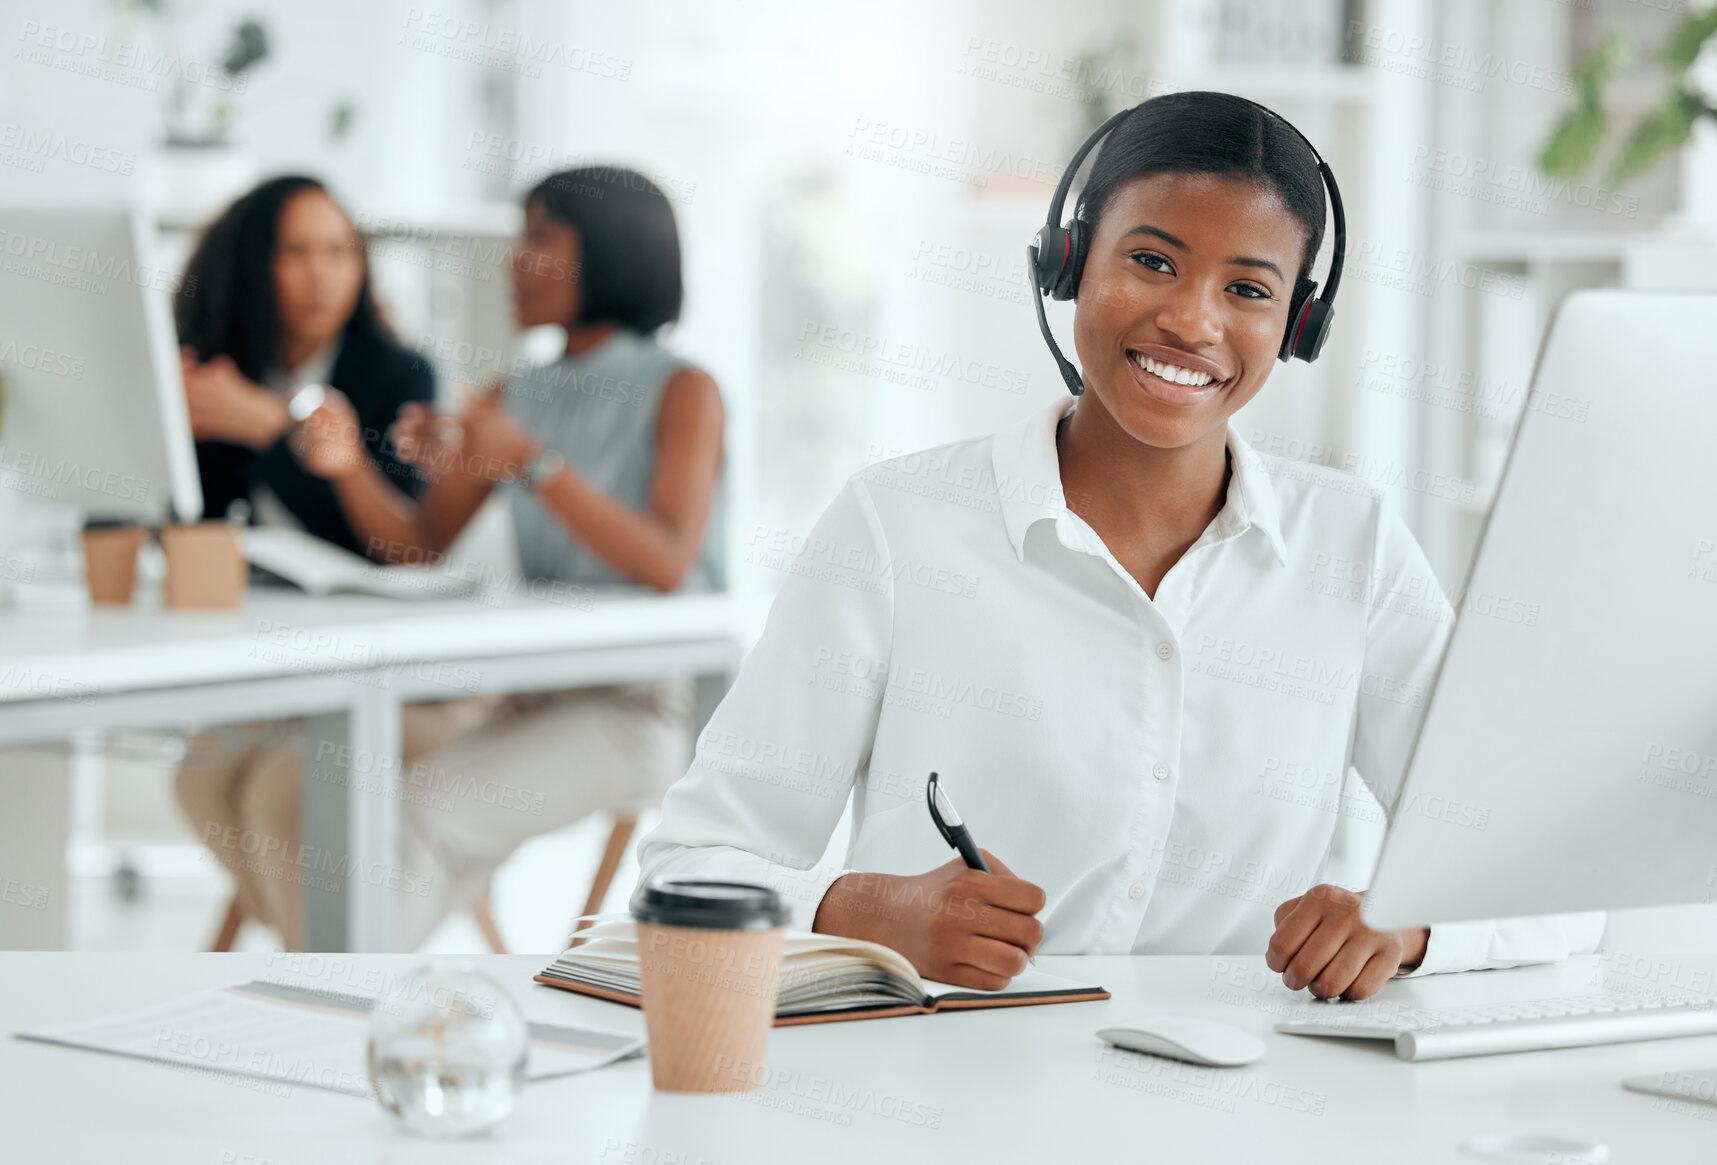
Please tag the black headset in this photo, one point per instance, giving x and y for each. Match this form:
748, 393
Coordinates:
1055, 259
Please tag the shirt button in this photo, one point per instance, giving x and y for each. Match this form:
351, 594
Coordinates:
1165, 650
1135, 891
1160, 771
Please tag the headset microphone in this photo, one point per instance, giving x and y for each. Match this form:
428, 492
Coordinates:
1055, 260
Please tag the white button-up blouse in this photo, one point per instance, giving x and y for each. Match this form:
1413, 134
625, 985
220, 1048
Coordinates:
1168, 769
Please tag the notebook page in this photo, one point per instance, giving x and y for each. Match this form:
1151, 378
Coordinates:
1031, 982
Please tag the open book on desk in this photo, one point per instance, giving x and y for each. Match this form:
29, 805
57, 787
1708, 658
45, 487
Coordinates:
321, 568
824, 978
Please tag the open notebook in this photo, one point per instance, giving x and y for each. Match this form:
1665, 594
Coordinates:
321, 568
823, 978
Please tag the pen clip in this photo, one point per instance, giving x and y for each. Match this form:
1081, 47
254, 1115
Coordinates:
930, 791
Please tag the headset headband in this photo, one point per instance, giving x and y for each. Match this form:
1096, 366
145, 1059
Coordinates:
1056, 257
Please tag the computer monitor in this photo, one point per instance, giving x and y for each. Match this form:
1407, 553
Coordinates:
1567, 759
92, 411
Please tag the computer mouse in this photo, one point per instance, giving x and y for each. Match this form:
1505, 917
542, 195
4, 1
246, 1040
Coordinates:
1179, 1037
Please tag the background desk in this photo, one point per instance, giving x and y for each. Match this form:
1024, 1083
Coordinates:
348, 664
1023, 1084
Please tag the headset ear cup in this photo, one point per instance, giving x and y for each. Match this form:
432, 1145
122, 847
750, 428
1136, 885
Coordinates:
1050, 247
1067, 285
1314, 331
1304, 290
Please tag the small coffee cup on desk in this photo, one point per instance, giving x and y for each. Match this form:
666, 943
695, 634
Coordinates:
709, 955
205, 565
110, 559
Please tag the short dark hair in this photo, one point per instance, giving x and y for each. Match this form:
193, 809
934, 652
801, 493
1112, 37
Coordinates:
629, 262
226, 305
1209, 133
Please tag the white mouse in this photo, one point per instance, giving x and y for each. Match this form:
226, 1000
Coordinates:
1179, 1037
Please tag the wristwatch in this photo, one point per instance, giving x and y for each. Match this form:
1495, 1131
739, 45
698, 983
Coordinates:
543, 466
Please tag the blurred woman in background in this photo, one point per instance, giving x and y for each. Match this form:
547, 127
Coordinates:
612, 456
277, 296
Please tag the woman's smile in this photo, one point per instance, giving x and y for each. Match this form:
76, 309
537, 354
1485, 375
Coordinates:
1174, 378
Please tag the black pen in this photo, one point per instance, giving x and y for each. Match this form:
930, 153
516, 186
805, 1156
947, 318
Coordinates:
954, 831
948, 824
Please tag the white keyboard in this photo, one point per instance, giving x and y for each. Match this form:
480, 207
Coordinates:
1574, 1022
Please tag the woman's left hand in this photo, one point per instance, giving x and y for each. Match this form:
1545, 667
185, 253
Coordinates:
1322, 943
497, 447
224, 406
330, 442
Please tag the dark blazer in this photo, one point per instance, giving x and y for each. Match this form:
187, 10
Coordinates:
379, 376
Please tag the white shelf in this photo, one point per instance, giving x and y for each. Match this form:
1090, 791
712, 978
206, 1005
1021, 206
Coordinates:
1512, 246
497, 219
1339, 84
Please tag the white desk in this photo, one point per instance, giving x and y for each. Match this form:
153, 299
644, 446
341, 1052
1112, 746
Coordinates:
1025, 1084
348, 664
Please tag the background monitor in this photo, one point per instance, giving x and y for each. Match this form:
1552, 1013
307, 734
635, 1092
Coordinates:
93, 415
1568, 756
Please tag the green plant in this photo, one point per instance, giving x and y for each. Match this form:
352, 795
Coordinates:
1580, 136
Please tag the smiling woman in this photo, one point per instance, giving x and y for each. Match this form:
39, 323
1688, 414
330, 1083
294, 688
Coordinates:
1143, 583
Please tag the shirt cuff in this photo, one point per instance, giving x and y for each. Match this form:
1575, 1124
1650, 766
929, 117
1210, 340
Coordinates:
803, 891
1453, 946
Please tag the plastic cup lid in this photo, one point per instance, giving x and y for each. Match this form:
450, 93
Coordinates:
705, 903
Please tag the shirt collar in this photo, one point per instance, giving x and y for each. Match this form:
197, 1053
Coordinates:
1028, 482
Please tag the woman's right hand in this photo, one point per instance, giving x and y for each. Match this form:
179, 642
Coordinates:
956, 924
223, 406
426, 440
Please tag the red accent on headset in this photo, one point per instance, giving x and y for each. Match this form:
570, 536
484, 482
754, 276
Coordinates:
1066, 250
1305, 313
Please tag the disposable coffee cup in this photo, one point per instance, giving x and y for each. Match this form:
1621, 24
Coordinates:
709, 954
205, 565
110, 560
